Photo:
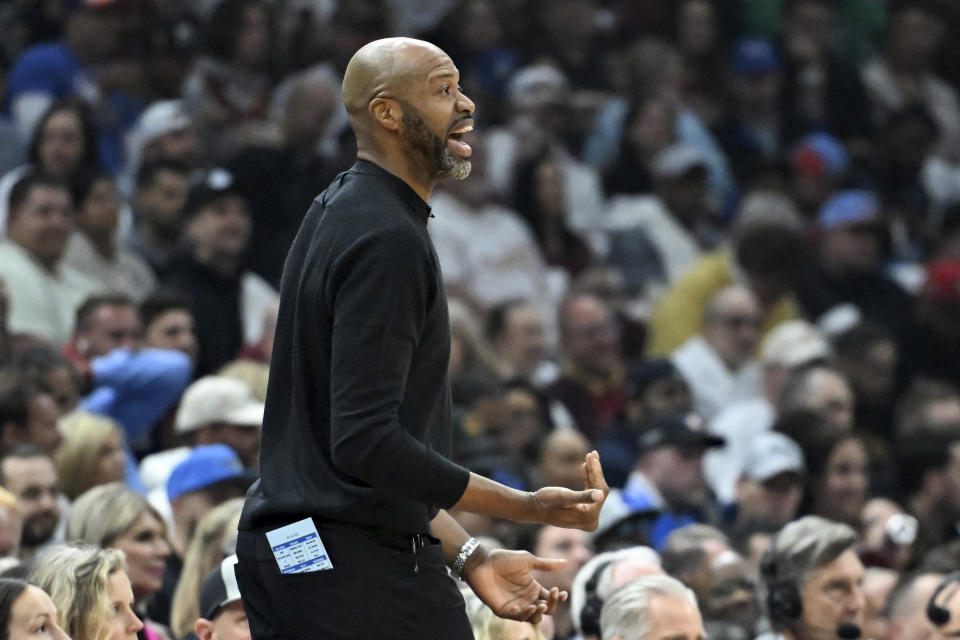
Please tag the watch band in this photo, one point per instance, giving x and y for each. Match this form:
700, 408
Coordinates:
463, 555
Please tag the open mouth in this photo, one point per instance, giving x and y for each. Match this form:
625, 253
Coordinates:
455, 140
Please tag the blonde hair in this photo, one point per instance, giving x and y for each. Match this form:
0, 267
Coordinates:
105, 512
75, 577
252, 373
214, 539
84, 434
8, 501
485, 623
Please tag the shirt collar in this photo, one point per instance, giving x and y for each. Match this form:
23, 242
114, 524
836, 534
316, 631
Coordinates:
404, 191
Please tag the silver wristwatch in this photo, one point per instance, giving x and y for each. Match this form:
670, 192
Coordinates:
463, 555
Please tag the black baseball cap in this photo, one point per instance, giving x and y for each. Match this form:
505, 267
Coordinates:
219, 589
207, 185
678, 429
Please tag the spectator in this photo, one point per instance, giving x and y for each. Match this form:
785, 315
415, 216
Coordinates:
46, 363
113, 516
878, 582
30, 475
221, 611
104, 323
770, 488
91, 590
163, 134
211, 475
767, 256
672, 227
92, 453
213, 410
929, 464
487, 626
813, 580
228, 91
668, 476
28, 414
935, 307
649, 128
905, 74
168, 324
228, 302
600, 577
214, 540
517, 333
158, 199
752, 134
700, 37
576, 548
95, 248
488, 254
789, 347
868, 357
718, 363
818, 166
847, 268
561, 453
823, 390
838, 466
907, 606
22, 605
591, 383
44, 293
821, 91
652, 607
282, 179
653, 388
64, 142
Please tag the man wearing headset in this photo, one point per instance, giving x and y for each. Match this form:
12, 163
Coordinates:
813, 580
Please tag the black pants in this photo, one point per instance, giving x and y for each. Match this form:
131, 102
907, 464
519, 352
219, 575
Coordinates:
379, 588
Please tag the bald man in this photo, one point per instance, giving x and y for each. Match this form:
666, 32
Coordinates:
346, 533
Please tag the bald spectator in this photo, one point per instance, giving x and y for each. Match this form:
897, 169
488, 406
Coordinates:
591, 382
718, 363
652, 608
31, 476
44, 293
787, 348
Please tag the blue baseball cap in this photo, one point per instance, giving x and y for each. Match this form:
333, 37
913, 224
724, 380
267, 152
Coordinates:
849, 208
208, 465
754, 57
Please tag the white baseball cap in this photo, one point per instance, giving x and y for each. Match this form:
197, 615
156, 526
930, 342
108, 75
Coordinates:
216, 399
770, 454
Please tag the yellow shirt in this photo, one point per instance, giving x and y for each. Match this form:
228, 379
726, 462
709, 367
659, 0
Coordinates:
678, 315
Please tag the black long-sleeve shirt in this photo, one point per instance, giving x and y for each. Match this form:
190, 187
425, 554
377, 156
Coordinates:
357, 427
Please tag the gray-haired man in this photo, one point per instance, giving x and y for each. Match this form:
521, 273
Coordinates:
652, 608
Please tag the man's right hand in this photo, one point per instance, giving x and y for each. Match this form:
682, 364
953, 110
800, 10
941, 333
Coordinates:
574, 509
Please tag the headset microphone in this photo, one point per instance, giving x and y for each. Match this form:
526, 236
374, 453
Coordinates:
848, 631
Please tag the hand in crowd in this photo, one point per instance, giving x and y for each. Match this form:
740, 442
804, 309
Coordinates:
504, 582
575, 509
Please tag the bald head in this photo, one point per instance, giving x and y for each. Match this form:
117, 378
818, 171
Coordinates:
381, 69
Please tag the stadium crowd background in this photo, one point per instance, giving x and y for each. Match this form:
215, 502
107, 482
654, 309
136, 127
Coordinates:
717, 241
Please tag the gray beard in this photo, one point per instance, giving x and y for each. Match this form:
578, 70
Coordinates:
431, 148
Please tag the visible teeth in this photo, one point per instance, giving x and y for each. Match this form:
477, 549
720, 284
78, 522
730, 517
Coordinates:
465, 129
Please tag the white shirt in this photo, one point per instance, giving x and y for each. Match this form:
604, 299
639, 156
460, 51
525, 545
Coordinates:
127, 273
738, 424
714, 385
42, 303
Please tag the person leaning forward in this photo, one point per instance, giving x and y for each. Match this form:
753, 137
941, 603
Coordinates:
346, 533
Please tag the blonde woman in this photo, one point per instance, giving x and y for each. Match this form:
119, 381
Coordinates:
91, 453
214, 540
488, 626
114, 516
91, 591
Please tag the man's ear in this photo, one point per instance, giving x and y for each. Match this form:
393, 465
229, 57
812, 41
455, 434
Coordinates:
387, 113
203, 628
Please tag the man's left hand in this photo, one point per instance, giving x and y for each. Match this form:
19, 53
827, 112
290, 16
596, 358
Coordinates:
503, 581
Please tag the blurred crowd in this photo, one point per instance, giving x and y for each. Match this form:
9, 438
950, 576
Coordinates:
717, 241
